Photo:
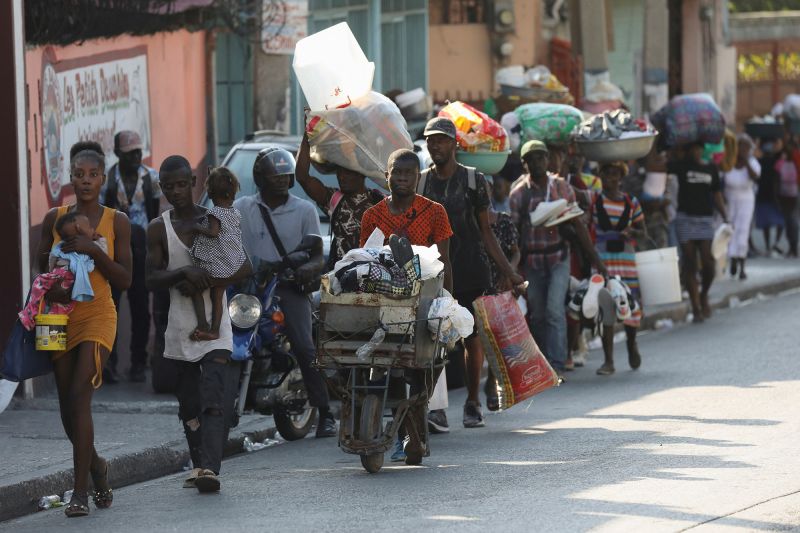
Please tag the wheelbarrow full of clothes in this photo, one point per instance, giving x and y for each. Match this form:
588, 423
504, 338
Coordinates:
369, 345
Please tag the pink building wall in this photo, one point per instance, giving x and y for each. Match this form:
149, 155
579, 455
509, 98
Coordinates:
176, 73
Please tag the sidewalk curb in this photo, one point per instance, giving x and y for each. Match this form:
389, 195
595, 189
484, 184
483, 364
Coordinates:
22, 498
680, 312
159, 407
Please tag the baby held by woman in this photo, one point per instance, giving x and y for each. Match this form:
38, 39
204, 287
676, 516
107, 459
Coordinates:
70, 270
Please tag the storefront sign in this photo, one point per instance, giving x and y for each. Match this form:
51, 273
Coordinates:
284, 23
90, 99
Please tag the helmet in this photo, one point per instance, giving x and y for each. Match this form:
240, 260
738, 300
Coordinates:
273, 162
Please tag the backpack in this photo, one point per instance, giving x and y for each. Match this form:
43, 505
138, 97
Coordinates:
423, 179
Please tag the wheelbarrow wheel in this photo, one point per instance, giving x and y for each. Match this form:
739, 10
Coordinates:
370, 430
372, 463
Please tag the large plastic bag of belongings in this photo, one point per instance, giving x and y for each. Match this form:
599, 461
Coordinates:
614, 136
475, 130
549, 123
360, 136
374, 269
690, 118
450, 321
519, 365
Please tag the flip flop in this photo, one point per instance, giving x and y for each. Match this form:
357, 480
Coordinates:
77, 507
189, 482
605, 371
207, 481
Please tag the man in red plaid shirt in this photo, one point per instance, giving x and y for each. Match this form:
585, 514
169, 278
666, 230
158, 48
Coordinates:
545, 251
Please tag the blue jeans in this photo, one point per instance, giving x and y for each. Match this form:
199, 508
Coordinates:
547, 294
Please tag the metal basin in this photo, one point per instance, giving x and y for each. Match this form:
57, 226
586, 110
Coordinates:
616, 149
486, 162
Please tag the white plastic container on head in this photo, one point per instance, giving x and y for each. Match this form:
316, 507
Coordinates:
331, 68
659, 277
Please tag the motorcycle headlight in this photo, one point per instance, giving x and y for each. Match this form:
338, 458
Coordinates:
244, 310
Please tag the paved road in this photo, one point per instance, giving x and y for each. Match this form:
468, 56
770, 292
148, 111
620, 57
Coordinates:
704, 434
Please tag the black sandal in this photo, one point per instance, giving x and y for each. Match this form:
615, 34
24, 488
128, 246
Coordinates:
78, 505
102, 494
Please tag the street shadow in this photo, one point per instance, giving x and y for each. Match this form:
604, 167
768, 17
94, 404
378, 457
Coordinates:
656, 418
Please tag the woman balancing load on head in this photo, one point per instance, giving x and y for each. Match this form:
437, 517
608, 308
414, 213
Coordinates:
92, 324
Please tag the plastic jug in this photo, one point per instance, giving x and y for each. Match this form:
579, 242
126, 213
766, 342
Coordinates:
331, 68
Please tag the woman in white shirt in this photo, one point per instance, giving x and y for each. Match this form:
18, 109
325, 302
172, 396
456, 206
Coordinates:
741, 200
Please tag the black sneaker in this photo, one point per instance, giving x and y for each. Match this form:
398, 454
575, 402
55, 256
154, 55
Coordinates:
437, 421
473, 417
402, 252
326, 426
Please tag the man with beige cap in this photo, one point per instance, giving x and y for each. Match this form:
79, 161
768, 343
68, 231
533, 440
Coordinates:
537, 200
133, 188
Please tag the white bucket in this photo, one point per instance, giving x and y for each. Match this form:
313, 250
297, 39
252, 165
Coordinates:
659, 277
331, 68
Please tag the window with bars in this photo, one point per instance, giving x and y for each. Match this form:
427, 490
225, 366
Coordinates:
457, 11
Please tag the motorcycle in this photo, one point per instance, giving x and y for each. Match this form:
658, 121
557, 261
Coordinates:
271, 381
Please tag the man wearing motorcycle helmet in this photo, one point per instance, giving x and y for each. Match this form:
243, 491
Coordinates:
274, 223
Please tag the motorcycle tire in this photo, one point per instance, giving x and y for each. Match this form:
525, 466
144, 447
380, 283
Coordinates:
292, 429
370, 429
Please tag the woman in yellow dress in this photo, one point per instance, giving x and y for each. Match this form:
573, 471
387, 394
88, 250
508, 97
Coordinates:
93, 324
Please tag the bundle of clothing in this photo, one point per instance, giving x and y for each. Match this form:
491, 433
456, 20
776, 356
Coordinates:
376, 271
392, 270
617, 124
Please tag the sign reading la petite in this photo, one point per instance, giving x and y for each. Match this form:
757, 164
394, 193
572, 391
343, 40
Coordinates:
90, 99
